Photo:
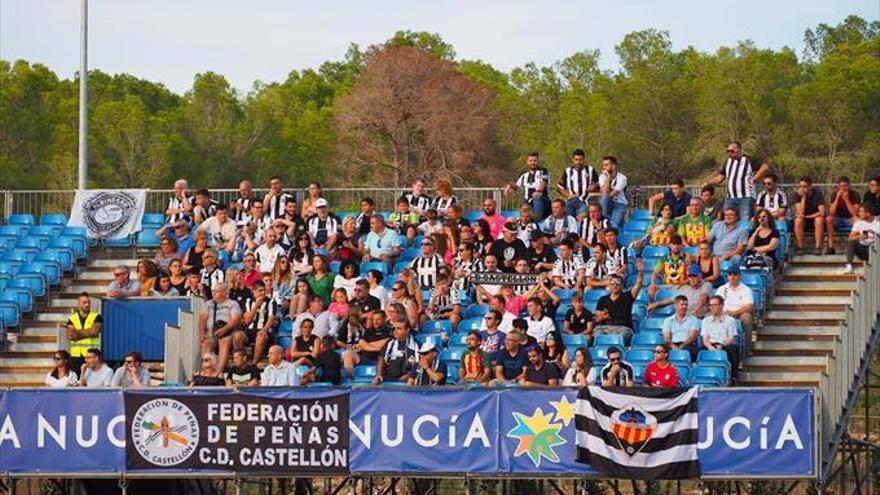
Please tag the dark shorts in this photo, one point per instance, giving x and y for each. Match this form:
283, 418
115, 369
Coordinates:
252, 336
367, 359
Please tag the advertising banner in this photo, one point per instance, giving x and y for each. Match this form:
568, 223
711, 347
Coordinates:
279, 432
742, 433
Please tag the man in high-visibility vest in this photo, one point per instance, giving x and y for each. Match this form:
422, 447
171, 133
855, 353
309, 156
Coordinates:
83, 331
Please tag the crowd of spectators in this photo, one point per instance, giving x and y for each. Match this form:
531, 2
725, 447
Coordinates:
352, 296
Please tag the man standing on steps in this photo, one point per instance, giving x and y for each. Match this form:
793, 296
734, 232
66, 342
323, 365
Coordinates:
83, 331
740, 172
863, 235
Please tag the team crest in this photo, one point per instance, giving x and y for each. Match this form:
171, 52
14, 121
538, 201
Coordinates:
106, 213
633, 427
165, 432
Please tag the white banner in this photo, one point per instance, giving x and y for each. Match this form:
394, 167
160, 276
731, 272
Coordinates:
108, 214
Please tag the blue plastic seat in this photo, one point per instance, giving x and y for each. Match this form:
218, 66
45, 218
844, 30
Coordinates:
8, 241
285, 328
476, 311
335, 265
431, 337
452, 373
574, 340
379, 266
469, 324
64, 257
35, 242
13, 230
564, 294
654, 252
8, 268
639, 356
708, 376
389, 281
54, 219
717, 359
680, 357
22, 219
437, 326
640, 214
627, 238
147, 238
655, 324
457, 340
44, 231
10, 314
594, 294
450, 356
364, 374
684, 375
33, 282
23, 297
640, 226
406, 256
646, 340
19, 255
123, 242
402, 265
663, 311
74, 242
638, 373
155, 220
599, 355
50, 271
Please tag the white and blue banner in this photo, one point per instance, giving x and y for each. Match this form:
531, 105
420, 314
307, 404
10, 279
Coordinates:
742, 433
108, 213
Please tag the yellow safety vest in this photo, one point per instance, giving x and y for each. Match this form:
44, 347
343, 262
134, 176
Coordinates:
79, 348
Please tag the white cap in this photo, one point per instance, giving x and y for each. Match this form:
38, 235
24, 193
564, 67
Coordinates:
427, 347
321, 203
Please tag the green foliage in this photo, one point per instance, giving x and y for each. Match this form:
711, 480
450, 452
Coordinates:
665, 114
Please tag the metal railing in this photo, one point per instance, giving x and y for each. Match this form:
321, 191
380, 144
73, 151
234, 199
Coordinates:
841, 383
38, 202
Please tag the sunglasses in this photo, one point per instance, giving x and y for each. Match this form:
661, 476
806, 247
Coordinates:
129, 361
205, 360
119, 274
58, 358
731, 151
659, 351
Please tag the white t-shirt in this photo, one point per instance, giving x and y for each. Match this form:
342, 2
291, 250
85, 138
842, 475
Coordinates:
872, 228
379, 293
506, 324
101, 378
617, 184
70, 380
220, 233
540, 329
569, 379
266, 256
734, 299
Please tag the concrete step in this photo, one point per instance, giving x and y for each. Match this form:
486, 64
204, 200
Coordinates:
37, 338
48, 315
90, 275
45, 363
819, 300
818, 259
779, 332
93, 290
812, 269
33, 384
787, 363
111, 263
793, 347
19, 378
778, 379
31, 330
775, 317
825, 276
26, 347
807, 285
68, 294
63, 302
25, 369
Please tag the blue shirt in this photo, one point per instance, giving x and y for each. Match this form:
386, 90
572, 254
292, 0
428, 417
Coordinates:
725, 240
183, 243
378, 245
679, 205
680, 330
513, 365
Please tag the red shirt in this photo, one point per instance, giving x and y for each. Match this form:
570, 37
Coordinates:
250, 279
655, 376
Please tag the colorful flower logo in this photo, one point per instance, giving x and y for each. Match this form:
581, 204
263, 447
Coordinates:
539, 433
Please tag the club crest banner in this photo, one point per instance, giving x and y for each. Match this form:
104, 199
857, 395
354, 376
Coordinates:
108, 214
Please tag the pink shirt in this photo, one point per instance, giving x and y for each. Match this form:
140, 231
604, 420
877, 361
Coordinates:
496, 224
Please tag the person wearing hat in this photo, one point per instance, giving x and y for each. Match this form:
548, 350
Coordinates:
428, 265
430, 371
323, 227
738, 302
508, 248
541, 258
695, 290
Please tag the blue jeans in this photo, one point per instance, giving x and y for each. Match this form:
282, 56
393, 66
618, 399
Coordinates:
575, 207
541, 207
612, 210
745, 206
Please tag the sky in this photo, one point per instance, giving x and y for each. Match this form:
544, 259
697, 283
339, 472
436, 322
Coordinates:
169, 41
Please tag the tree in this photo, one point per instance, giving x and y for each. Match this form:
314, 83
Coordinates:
410, 114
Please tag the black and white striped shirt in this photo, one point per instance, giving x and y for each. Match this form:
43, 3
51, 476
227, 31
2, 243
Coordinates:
619, 255
362, 223
468, 267
567, 270
275, 207
597, 270
772, 202
524, 232
591, 233
264, 312
578, 181
419, 204
427, 269
176, 203
321, 230
210, 278
243, 211
445, 302
208, 212
529, 181
740, 177
442, 205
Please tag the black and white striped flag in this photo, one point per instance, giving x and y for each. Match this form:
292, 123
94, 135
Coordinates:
638, 433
